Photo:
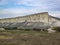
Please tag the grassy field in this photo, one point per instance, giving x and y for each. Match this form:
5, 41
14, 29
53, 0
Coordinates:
17, 37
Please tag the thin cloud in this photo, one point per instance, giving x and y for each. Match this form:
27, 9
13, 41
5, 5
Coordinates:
3, 2
24, 7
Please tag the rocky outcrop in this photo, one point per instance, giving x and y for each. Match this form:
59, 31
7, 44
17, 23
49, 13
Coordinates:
2, 29
25, 25
51, 31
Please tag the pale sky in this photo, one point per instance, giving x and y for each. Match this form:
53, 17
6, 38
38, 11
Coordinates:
15, 8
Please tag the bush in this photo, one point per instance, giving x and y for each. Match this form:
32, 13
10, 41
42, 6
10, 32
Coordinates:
10, 28
57, 29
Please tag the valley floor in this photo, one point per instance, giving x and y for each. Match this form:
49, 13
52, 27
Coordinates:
18, 37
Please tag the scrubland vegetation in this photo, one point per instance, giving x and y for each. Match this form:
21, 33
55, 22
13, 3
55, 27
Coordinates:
56, 29
23, 37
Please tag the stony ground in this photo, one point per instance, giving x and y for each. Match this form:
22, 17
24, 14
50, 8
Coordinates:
17, 37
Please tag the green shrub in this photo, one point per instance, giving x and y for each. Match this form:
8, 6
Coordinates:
10, 28
57, 29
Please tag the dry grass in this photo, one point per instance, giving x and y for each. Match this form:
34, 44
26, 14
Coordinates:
5, 37
28, 38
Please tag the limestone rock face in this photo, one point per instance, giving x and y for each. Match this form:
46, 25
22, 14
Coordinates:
38, 17
37, 21
25, 25
2, 29
51, 31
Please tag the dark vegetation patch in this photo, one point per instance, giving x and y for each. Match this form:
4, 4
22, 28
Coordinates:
56, 29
